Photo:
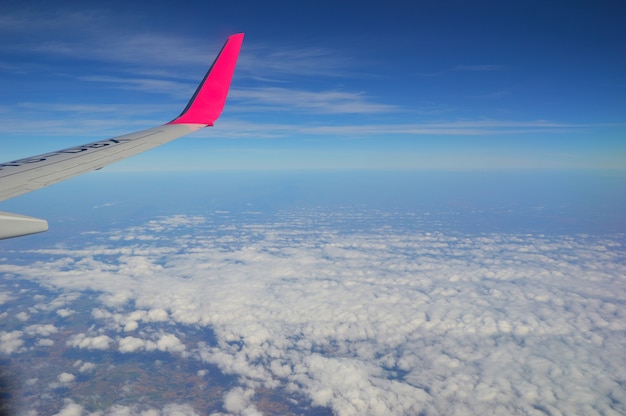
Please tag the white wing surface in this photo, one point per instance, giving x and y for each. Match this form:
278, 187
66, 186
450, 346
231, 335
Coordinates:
24, 175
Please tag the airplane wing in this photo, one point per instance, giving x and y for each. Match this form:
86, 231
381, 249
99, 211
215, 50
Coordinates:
25, 175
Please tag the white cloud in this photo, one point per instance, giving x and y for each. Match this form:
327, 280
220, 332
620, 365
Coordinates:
84, 367
10, 341
157, 315
165, 343
238, 402
100, 342
169, 342
131, 344
94, 41
45, 342
5, 297
174, 88
66, 378
60, 301
234, 128
41, 329
128, 322
64, 313
131, 326
285, 99
22, 316
70, 409
479, 68
376, 322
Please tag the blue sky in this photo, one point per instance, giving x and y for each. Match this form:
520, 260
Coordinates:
324, 85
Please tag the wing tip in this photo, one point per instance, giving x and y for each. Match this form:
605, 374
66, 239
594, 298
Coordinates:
237, 35
207, 103
16, 225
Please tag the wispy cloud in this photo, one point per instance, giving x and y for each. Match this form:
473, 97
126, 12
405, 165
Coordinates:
48, 126
463, 68
88, 121
461, 128
175, 89
328, 102
275, 62
478, 68
87, 35
131, 110
237, 128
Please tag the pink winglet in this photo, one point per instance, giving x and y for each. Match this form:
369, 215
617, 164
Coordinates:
207, 102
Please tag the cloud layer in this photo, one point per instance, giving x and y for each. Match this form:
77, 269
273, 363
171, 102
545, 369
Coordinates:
376, 321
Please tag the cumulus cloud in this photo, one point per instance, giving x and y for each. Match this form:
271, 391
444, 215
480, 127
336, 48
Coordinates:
84, 367
71, 408
131, 344
100, 342
165, 343
41, 329
45, 342
169, 342
238, 402
370, 322
64, 313
5, 297
22, 316
66, 378
10, 341
129, 322
60, 301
